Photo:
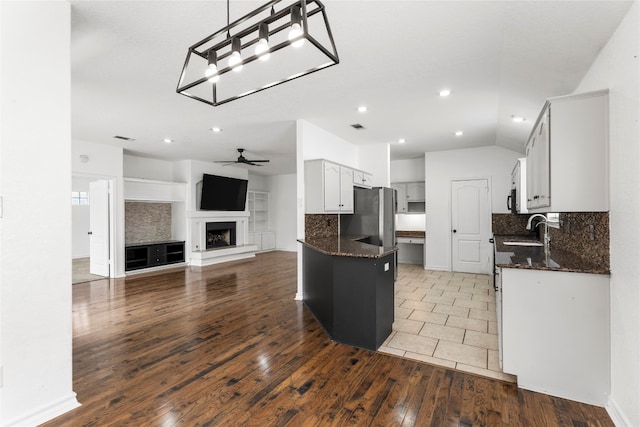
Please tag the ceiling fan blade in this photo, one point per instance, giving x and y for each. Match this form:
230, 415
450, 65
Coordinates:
258, 161
250, 162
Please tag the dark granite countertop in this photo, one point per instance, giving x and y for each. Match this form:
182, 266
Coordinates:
411, 233
347, 246
533, 257
162, 242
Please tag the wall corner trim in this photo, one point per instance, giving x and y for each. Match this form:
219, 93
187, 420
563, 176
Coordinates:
47, 412
617, 416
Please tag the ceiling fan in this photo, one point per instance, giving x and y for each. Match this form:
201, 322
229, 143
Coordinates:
242, 160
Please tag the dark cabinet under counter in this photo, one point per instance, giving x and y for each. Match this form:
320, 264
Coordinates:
352, 297
153, 254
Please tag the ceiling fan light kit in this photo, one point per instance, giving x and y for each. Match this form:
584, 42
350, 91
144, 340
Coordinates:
289, 40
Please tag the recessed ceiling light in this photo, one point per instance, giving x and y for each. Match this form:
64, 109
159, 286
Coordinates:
216, 130
167, 140
518, 119
459, 133
402, 141
362, 109
445, 92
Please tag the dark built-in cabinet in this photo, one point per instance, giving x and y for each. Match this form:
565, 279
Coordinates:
153, 254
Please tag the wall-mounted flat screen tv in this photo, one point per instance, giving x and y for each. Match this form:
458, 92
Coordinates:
221, 193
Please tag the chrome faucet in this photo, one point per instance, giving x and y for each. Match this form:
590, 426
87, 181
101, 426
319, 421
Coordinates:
547, 238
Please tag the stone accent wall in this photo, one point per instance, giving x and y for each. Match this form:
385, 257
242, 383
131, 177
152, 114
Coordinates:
320, 225
147, 222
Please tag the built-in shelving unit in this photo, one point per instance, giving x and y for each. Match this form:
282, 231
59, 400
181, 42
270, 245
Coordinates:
154, 254
259, 233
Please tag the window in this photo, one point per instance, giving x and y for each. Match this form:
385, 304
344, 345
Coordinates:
79, 198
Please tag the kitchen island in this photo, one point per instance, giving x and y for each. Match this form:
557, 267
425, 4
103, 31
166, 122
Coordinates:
349, 288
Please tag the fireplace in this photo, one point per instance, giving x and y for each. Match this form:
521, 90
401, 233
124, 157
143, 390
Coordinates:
220, 234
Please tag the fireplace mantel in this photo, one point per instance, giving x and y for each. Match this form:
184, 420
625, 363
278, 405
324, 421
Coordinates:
200, 256
217, 215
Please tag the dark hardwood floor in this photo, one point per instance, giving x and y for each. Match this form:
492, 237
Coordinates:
228, 345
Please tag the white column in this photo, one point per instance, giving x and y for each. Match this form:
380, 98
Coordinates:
35, 227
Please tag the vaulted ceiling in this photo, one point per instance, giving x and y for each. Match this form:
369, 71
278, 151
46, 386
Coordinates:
499, 59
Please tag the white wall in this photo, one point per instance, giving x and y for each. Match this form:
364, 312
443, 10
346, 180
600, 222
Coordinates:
35, 227
258, 182
105, 162
407, 170
617, 68
318, 143
80, 221
375, 159
142, 167
441, 167
283, 208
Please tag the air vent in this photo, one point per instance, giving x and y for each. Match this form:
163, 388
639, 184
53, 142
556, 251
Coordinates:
357, 126
124, 138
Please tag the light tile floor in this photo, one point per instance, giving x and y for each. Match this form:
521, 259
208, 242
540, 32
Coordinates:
447, 319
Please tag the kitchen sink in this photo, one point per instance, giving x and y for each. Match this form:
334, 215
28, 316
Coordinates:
529, 243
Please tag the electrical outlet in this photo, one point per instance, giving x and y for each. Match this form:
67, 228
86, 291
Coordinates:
386, 266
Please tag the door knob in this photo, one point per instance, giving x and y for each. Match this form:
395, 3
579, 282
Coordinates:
455, 231
90, 232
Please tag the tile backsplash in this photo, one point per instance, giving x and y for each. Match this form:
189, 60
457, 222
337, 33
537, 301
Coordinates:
585, 234
512, 224
147, 222
319, 225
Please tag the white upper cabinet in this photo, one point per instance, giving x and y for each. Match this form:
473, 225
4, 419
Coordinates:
362, 179
519, 183
401, 196
328, 187
568, 155
411, 196
415, 191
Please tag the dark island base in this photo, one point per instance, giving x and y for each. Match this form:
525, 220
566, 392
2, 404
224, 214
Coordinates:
352, 298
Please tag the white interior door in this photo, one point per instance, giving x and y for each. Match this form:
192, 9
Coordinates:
99, 228
470, 226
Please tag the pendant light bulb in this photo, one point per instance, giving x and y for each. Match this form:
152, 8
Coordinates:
296, 28
212, 70
262, 47
235, 59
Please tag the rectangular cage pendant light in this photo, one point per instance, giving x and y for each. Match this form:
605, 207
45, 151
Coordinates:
271, 45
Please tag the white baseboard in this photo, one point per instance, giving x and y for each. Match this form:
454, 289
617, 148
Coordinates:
46, 413
617, 416
437, 267
154, 269
217, 256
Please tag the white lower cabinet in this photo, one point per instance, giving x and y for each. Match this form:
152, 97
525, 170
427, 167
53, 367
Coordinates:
556, 337
410, 250
265, 240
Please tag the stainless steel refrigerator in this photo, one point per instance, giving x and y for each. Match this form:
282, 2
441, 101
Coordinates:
373, 216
